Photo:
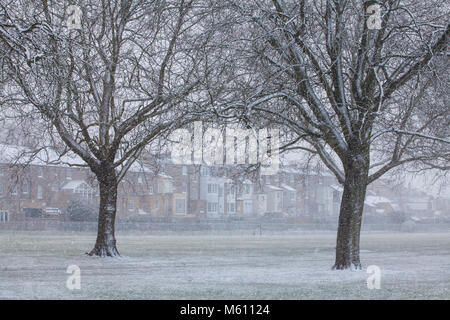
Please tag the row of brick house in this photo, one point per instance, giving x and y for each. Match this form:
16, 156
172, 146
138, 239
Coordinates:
45, 191
221, 191
42, 190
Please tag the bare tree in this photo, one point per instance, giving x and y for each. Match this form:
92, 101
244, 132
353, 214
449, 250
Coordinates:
348, 78
129, 74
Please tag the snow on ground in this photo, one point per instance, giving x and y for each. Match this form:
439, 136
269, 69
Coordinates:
276, 266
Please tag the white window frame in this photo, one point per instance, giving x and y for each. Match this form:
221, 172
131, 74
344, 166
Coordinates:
212, 206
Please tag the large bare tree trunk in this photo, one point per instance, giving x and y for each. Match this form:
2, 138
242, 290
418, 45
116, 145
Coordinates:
105, 244
350, 215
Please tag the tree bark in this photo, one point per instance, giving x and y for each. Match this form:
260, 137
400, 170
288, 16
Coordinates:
350, 215
105, 244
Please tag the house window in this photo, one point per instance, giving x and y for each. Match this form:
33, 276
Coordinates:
159, 187
40, 192
84, 191
180, 206
168, 187
150, 189
212, 207
40, 172
25, 187
55, 187
32, 212
156, 204
212, 188
14, 189
68, 174
3, 216
1, 189
130, 205
185, 171
231, 206
139, 179
336, 197
2, 171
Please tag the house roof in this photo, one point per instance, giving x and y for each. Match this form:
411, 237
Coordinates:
271, 187
164, 175
138, 167
287, 188
305, 171
336, 187
49, 157
71, 185
45, 157
373, 201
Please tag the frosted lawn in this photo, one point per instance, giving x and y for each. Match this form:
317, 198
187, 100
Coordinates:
276, 266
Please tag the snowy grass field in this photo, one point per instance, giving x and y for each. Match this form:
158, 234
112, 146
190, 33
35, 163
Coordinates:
273, 266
